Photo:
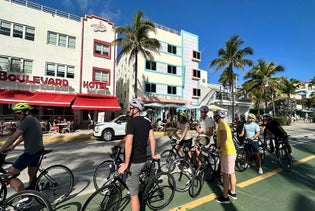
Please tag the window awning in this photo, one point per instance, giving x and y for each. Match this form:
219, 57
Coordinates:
95, 103
36, 98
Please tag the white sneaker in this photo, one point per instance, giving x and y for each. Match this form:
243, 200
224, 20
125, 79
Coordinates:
25, 203
260, 171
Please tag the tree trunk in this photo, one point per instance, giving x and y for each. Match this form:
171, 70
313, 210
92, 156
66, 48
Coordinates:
136, 75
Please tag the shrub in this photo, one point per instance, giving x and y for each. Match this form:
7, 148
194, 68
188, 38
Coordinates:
283, 120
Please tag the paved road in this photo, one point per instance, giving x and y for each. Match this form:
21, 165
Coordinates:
255, 192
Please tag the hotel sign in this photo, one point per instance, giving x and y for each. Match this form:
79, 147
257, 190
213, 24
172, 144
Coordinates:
5, 76
99, 27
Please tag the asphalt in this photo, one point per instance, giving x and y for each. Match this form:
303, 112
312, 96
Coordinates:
88, 134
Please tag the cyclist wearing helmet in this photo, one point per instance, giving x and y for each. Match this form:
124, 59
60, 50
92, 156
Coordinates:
251, 131
227, 152
29, 131
139, 130
185, 139
204, 129
273, 127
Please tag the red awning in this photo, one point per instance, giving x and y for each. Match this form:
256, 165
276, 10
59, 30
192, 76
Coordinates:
36, 98
95, 103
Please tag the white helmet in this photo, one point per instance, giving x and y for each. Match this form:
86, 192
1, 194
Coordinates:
137, 104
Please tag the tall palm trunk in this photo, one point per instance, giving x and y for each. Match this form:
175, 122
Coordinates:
136, 74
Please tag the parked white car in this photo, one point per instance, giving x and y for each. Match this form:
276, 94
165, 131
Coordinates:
108, 130
117, 127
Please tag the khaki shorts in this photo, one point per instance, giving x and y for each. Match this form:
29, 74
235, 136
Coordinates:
227, 163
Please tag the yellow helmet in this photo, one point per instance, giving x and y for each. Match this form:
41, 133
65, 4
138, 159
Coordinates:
251, 116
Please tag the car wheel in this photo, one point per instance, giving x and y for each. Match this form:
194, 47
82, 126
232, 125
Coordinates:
107, 135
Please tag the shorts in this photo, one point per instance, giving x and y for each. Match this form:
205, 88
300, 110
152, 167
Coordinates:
204, 140
186, 143
132, 180
26, 160
228, 163
255, 146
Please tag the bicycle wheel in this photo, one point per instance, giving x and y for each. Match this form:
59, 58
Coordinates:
55, 183
159, 191
106, 198
284, 159
26, 200
241, 159
197, 183
167, 158
103, 173
182, 173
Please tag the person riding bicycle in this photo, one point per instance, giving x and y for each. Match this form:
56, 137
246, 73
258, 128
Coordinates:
28, 130
185, 140
273, 127
227, 150
252, 131
204, 129
239, 128
139, 130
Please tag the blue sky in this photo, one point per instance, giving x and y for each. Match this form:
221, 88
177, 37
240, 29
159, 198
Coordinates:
281, 31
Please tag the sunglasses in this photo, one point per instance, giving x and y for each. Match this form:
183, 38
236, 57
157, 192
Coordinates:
18, 113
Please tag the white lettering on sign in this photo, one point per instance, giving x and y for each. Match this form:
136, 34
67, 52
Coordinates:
99, 27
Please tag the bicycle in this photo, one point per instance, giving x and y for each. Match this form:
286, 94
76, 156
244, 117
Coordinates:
55, 182
208, 170
246, 155
105, 170
282, 154
170, 155
23, 200
157, 189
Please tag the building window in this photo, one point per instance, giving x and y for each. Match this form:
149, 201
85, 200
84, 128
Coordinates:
196, 93
149, 65
30, 33
52, 38
59, 70
150, 87
196, 74
196, 55
71, 42
171, 90
50, 69
62, 40
171, 69
18, 31
101, 75
70, 72
27, 66
5, 28
16, 65
171, 49
4, 63
101, 49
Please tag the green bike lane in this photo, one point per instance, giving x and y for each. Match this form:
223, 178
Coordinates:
274, 190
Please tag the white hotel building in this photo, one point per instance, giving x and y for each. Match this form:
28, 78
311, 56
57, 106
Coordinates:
171, 80
61, 64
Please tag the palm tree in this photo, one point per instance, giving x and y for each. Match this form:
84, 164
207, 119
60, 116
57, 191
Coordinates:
261, 78
136, 40
232, 57
288, 87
